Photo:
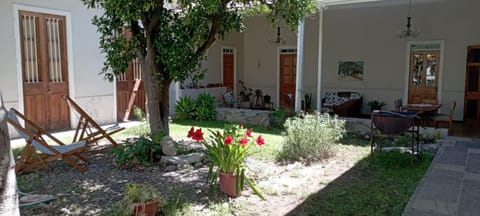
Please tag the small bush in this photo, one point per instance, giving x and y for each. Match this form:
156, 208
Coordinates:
281, 115
139, 114
205, 107
145, 151
311, 137
201, 109
185, 108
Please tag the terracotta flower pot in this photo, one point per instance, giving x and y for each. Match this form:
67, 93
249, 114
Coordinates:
147, 208
227, 183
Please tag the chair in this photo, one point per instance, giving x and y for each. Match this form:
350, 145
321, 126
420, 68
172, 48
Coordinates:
393, 124
445, 118
37, 151
87, 128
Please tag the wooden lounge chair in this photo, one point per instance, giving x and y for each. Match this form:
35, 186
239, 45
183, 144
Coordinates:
87, 128
37, 151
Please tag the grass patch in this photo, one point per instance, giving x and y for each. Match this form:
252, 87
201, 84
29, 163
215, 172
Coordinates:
378, 185
273, 138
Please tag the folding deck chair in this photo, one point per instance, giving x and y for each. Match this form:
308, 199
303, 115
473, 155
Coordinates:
37, 151
87, 128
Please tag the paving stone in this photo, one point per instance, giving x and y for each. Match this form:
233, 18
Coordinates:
419, 212
473, 145
469, 203
441, 185
473, 164
436, 207
451, 186
453, 155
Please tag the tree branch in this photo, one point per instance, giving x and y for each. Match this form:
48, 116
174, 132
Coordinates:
215, 27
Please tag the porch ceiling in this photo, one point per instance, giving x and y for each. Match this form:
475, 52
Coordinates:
368, 3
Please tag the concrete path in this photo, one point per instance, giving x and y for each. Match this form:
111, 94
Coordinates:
451, 185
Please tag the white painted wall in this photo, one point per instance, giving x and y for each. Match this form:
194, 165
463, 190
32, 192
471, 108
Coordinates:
85, 59
367, 34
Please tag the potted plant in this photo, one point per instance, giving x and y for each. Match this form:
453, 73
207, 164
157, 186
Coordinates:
375, 105
245, 94
307, 101
227, 152
138, 199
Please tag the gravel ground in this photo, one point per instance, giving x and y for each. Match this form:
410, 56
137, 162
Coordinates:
284, 185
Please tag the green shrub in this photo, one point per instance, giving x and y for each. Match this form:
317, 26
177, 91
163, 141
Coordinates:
281, 115
201, 109
144, 150
311, 137
205, 107
185, 108
139, 114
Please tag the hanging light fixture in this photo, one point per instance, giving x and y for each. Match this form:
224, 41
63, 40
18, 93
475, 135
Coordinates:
279, 39
409, 32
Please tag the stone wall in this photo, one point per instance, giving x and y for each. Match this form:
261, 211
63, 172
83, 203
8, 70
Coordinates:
245, 116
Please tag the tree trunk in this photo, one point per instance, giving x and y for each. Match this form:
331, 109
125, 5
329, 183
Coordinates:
8, 181
156, 92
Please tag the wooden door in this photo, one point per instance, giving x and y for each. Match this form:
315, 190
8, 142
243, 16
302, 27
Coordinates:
423, 77
472, 87
130, 92
288, 76
228, 68
44, 69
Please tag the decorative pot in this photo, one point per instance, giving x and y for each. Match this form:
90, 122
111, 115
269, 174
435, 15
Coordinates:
228, 183
147, 208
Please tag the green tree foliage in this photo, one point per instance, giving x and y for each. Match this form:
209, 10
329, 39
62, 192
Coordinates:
170, 38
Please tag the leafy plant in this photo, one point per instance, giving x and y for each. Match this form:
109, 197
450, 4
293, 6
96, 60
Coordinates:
135, 193
185, 108
245, 92
139, 114
145, 150
227, 153
281, 115
375, 104
307, 99
205, 107
311, 137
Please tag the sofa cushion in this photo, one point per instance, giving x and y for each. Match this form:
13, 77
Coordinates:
340, 100
330, 97
355, 95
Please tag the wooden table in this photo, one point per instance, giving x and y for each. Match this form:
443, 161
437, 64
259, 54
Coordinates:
426, 111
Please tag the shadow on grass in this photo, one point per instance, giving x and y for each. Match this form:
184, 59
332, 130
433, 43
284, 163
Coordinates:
377, 185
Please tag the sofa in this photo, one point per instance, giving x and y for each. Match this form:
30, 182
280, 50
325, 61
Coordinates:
343, 103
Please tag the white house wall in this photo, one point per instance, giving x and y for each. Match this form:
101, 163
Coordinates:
367, 34
86, 86
260, 57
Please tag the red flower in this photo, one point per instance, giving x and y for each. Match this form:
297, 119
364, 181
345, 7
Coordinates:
243, 141
260, 140
198, 135
190, 132
248, 133
228, 140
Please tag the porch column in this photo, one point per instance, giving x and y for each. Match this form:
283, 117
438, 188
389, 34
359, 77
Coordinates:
299, 77
319, 66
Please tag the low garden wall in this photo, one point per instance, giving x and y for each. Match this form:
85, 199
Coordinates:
245, 116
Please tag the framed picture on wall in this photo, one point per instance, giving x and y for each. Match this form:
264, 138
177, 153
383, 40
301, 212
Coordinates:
350, 70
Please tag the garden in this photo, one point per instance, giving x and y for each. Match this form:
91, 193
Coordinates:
310, 165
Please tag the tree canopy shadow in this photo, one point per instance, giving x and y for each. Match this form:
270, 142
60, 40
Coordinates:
380, 184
